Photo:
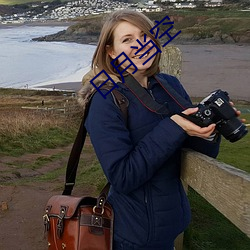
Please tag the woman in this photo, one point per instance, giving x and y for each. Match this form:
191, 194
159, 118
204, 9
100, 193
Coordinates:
141, 156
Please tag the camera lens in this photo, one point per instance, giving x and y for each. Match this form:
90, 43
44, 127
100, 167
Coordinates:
233, 130
238, 133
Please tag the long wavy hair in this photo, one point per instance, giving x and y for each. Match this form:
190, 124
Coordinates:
102, 60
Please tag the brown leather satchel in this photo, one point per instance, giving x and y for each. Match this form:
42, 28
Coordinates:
80, 223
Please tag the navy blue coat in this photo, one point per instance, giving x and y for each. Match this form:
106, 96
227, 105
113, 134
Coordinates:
141, 160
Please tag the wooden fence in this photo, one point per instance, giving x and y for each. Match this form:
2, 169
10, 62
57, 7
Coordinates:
52, 109
66, 109
223, 186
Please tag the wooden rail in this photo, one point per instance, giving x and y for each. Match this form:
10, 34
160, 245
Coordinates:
223, 186
65, 109
61, 109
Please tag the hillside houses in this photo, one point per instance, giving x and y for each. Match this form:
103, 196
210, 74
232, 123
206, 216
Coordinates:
187, 5
213, 3
73, 9
191, 4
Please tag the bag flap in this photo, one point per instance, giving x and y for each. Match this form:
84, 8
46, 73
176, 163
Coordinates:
68, 203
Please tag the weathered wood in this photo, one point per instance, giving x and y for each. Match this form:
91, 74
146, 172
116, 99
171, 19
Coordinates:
45, 108
223, 186
179, 242
171, 61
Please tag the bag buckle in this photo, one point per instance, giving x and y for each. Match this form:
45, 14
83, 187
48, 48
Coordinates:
46, 221
59, 224
96, 221
95, 212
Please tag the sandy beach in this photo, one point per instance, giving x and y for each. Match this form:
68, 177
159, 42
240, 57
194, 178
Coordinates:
206, 68
209, 67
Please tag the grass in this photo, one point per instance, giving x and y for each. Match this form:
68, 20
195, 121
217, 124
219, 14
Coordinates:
209, 229
31, 134
220, 12
39, 162
237, 154
91, 172
13, 2
23, 131
208, 23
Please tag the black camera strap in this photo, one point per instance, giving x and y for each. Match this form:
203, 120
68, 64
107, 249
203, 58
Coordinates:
180, 100
146, 100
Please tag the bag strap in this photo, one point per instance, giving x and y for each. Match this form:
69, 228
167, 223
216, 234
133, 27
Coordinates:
121, 102
74, 156
72, 165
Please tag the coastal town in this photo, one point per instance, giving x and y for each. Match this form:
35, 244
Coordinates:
60, 11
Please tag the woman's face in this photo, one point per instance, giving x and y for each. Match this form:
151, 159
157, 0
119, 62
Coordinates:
126, 35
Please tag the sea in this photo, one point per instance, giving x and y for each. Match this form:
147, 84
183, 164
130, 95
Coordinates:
26, 64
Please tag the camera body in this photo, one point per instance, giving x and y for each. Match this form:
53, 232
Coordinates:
216, 108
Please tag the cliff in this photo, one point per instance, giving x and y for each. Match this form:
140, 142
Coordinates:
208, 29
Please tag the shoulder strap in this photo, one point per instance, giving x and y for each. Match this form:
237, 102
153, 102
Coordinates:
75, 156
122, 102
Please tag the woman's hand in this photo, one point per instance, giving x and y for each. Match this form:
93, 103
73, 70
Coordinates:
238, 113
190, 128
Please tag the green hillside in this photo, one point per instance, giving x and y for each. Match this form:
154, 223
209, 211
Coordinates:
211, 26
13, 2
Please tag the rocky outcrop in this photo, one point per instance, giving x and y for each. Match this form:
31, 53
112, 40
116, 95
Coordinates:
85, 32
64, 36
199, 29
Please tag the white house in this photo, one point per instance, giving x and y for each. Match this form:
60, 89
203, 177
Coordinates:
214, 3
184, 5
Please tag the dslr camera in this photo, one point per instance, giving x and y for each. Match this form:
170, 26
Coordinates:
216, 108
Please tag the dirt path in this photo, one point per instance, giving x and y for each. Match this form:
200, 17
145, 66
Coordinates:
21, 225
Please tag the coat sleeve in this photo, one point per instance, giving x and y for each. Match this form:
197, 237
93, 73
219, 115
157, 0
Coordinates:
209, 148
125, 165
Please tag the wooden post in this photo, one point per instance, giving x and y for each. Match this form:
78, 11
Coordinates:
171, 60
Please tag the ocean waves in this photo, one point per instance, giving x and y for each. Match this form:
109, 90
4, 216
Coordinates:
26, 64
